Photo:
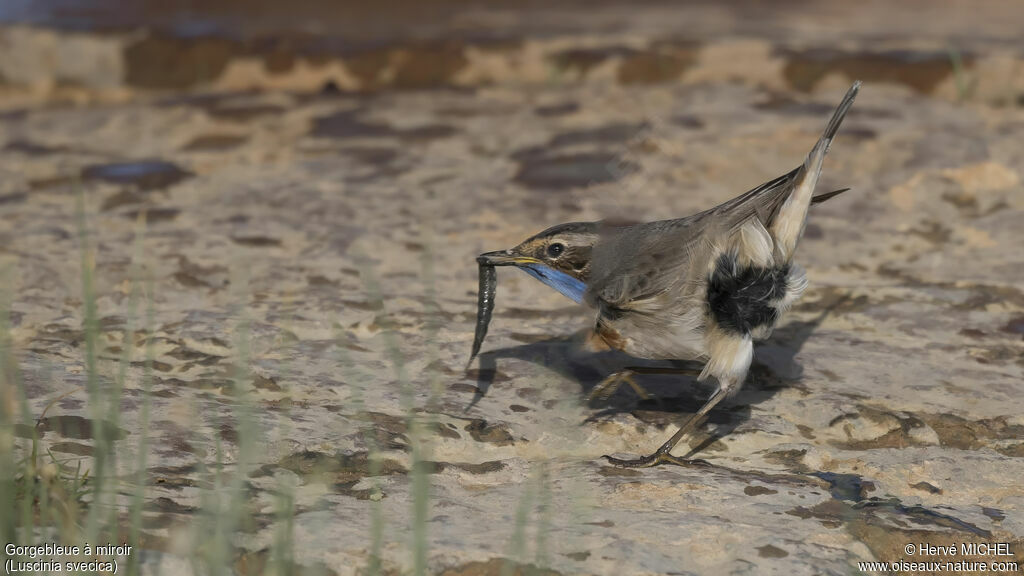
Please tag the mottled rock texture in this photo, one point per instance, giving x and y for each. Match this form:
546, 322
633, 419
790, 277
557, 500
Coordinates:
310, 237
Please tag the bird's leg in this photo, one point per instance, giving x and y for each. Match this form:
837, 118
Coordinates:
730, 357
662, 455
609, 385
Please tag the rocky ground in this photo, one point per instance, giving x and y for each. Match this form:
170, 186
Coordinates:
310, 227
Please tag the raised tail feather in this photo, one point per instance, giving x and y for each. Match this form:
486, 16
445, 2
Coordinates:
812, 165
788, 223
837, 118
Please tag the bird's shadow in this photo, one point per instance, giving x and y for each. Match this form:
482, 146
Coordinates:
773, 369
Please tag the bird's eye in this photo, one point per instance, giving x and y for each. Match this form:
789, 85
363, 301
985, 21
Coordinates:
555, 250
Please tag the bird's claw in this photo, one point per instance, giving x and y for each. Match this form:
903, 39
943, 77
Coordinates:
604, 390
643, 394
652, 460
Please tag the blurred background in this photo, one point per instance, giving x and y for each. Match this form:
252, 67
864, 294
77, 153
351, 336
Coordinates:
110, 46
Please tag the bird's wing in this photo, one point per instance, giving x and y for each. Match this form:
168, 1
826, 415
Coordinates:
637, 262
761, 202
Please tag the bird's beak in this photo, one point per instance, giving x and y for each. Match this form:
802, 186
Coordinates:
504, 258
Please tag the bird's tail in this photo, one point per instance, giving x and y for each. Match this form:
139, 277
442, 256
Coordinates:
788, 225
819, 198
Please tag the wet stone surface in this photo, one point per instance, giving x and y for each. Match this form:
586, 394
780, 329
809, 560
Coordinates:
884, 410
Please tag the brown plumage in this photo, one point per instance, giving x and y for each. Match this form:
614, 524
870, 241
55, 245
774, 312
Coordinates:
703, 287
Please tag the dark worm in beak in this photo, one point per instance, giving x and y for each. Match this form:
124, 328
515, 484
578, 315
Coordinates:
488, 285
485, 304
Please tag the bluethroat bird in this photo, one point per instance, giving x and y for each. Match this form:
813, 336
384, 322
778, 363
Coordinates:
703, 287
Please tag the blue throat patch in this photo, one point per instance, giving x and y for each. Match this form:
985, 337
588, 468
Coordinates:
560, 281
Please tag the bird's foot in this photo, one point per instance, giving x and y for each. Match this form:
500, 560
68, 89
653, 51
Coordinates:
655, 459
604, 389
640, 391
